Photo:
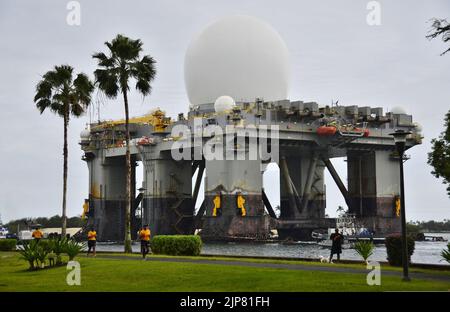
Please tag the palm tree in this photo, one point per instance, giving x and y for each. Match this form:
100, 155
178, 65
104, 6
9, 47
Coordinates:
65, 96
115, 70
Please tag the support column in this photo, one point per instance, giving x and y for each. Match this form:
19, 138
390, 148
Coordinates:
107, 195
168, 207
298, 168
309, 181
373, 185
288, 187
198, 182
228, 179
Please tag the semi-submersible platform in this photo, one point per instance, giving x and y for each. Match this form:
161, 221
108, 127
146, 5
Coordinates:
235, 204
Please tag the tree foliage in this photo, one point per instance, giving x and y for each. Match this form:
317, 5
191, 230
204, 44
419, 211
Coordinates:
430, 226
440, 27
439, 157
122, 63
52, 222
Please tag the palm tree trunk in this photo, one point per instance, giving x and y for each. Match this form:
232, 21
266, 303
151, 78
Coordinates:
127, 241
66, 156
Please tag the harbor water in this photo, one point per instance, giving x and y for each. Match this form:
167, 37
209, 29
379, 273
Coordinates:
425, 252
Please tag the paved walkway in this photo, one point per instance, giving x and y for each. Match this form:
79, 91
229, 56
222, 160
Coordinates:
286, 266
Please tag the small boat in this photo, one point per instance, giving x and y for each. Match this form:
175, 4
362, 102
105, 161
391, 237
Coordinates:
326, 130
318, 235
354, 132
365, 131
432, 238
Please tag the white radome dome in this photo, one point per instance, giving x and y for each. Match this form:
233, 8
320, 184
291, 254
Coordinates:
241, 56
224, 103
418, 126
398, 110
85, 134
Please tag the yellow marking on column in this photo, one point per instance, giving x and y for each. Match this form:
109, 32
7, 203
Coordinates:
397, 207
85, 210
240, 205
95, 191
217, 203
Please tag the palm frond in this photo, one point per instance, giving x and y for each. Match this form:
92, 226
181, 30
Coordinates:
144, 72
77, 110
364, 249
83, 89
58, 108
125, 48
60, 76
103, 60
144, 87
73, 248
42, 104
43, 90
445, 254
107, 81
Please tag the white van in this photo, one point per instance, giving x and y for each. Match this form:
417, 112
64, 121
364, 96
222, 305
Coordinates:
25, 235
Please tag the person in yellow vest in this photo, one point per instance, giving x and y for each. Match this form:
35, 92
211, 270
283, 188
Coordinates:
37, 234
144, 236
92, 240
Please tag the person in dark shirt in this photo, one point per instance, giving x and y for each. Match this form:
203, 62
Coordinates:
336, 244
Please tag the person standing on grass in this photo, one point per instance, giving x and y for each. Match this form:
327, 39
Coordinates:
37, 234
92, 240
144, 236
336, 244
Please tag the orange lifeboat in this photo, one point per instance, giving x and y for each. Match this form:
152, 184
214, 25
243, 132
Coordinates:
326, 130
145, 141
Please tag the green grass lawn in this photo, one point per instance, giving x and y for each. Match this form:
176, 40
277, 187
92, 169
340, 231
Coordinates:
99, 274
384, 267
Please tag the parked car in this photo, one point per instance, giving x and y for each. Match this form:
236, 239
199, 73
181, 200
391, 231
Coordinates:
11, 236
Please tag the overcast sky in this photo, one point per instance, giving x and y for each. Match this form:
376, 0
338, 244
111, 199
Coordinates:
334, 53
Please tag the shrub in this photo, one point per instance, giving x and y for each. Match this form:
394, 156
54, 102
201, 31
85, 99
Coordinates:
394, 249
35, 252
446, 253
364, 249
28, 253
177, 245
73, 248
8, 244
41, 253
46, 244
59, 247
